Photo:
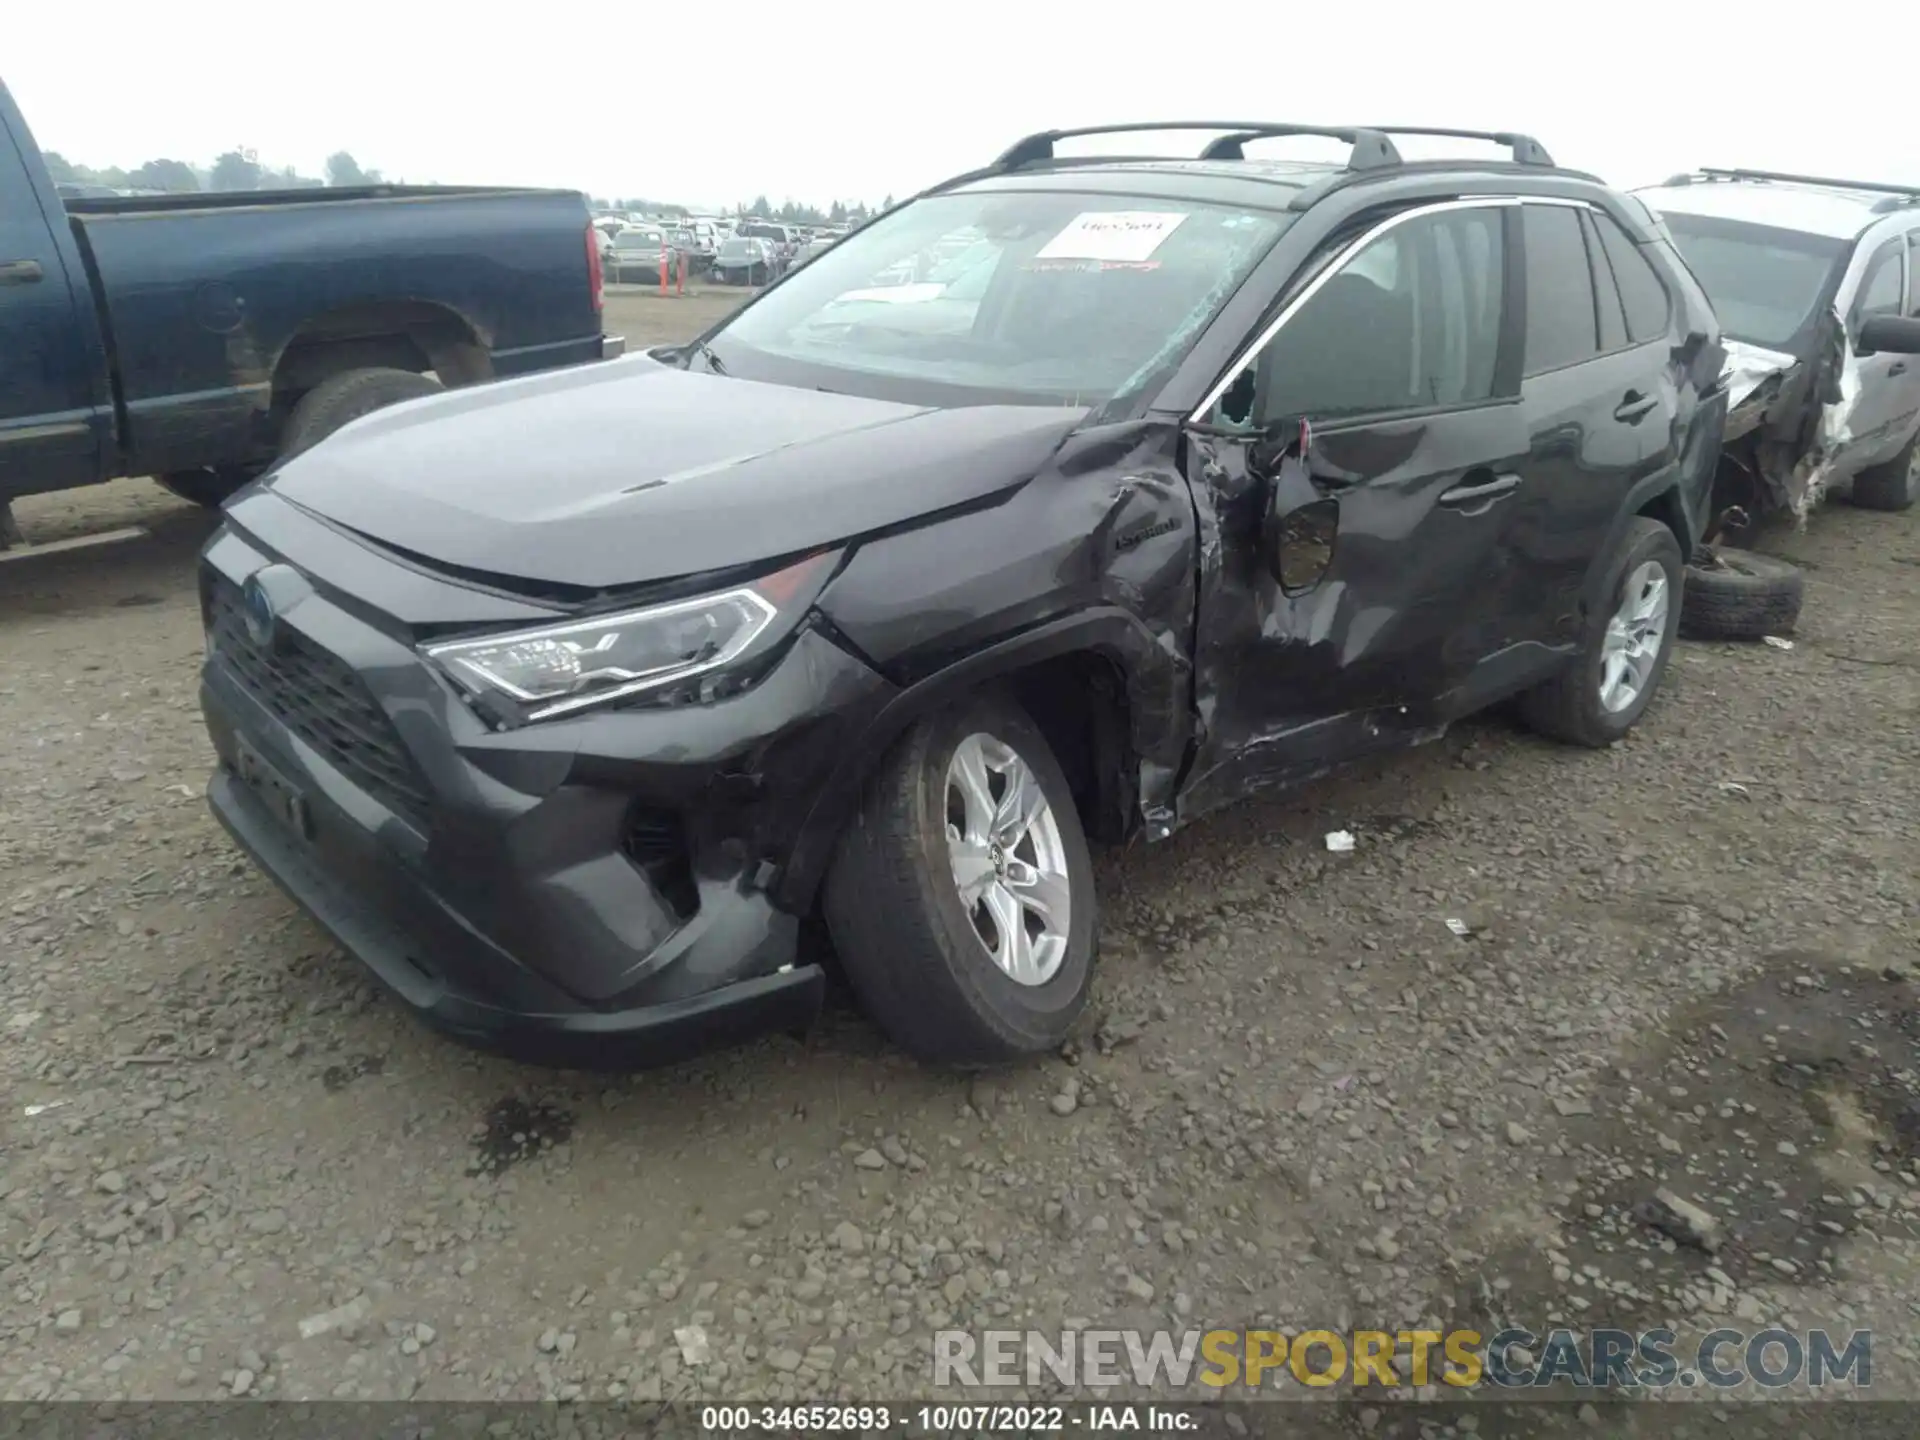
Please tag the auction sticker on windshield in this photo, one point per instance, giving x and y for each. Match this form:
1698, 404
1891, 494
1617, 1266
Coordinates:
1123, 235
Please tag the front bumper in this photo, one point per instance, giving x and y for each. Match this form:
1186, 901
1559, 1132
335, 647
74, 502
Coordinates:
585, 892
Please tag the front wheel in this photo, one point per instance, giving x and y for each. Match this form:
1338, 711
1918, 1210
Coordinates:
961, 896
1624, 647
1890, 486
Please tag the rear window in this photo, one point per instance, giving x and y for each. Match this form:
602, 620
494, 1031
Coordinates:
1561, 325
1648, 306
1765, 283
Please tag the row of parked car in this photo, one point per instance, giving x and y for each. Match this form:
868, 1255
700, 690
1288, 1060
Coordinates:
742, 251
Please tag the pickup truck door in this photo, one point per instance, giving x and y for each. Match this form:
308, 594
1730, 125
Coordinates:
1884, 414
53, 413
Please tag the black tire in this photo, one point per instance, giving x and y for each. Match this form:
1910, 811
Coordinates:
1738, 595
1890, 486
209, 488
1569, 707
910, 948
348, 396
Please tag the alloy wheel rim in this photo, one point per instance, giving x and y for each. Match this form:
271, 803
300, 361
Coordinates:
1635, 635
1009, 859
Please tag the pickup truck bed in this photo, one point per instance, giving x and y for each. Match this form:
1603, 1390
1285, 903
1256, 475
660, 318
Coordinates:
176, 336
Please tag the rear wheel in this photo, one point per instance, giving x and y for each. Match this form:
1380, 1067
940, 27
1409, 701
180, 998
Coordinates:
209, 488
961, 896
1891, 486
347, 396
1623, 654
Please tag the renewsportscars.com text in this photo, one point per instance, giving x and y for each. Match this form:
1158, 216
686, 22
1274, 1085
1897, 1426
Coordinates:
1595, 1359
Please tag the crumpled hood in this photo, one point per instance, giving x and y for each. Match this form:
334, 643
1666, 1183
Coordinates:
629, 471
1748, 367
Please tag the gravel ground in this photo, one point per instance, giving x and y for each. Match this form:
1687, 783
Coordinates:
229, 1165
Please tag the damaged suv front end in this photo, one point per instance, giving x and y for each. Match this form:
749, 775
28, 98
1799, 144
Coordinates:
1796, 268
401, 790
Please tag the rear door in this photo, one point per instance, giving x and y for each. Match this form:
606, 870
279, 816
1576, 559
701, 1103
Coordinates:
53, 405
1600, 401
1361, 591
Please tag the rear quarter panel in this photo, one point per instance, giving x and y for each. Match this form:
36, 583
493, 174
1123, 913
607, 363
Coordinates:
202, 302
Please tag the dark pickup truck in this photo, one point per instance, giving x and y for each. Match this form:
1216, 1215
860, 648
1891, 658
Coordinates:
197, 338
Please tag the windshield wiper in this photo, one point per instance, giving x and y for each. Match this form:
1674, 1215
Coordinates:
705, 352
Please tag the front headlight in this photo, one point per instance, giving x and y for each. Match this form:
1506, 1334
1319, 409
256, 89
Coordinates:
558, 668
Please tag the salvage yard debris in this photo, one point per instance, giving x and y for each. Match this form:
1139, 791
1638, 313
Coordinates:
1682, 1220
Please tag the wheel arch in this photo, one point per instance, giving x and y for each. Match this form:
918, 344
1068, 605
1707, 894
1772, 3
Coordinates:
1657, 497
416, 335
1096, 684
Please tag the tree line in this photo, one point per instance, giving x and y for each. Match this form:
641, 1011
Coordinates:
242, 169
237, 169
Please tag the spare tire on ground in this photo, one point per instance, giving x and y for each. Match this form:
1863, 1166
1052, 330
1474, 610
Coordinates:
1738, 595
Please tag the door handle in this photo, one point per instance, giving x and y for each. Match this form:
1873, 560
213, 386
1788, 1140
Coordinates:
20, 272
1480, 490
1633, 406
1898, 367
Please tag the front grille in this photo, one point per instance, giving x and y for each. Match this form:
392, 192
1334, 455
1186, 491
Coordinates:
319, 698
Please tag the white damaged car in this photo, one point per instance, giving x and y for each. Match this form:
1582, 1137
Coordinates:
1817, 283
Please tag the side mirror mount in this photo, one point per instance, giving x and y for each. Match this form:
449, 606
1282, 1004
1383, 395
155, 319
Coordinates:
1888, 335
1302, 524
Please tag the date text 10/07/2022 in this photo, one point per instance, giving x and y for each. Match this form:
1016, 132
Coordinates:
943, 1419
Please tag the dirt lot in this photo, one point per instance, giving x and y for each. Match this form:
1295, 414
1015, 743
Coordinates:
1305, 1101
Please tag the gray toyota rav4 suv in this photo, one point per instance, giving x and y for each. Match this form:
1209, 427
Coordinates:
563, 702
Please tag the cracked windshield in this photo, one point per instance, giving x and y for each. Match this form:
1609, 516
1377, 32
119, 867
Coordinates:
1026, 296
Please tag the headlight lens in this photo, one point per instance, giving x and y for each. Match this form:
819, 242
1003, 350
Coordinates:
559, 668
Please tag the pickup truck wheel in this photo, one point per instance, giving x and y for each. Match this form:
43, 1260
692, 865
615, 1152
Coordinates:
1891, 486
347, 396
1623, 653
209, 488
961, 896
1738, 595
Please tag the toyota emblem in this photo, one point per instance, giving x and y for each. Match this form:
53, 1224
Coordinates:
256, 608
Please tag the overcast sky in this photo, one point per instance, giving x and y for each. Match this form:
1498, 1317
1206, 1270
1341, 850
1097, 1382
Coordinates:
825, 99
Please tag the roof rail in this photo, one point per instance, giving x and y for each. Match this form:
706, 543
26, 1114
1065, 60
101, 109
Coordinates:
1525, 149
1872, 186
1371, 150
